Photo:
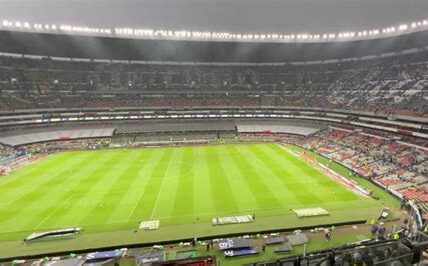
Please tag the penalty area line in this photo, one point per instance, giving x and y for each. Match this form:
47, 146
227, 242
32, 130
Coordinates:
53, 212
160, 190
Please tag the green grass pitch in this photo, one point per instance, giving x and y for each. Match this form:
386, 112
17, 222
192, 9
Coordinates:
183, 187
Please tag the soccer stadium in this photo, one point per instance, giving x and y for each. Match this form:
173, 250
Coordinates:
161, 146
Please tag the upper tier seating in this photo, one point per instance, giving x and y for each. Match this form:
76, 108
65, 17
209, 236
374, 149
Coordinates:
397, 84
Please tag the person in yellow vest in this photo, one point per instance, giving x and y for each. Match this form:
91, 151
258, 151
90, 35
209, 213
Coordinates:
396, 236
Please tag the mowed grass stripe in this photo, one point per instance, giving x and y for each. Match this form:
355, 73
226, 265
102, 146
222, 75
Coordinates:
278, 163
91, 174
262, 191
168, 188
241, 183
102, 205
222, 192
299, 191
131, 184
281, 171
184, 194
202, 192
329, 190
17, 184
145, 205
28, 204
297, 164
143, 178
326, 188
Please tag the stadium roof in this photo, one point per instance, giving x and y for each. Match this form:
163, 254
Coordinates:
237, 20
128, 49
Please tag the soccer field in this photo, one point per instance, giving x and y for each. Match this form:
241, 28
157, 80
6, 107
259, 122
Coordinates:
112, 190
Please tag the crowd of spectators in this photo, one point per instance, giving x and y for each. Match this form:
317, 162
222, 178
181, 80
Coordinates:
397, 84
399, 166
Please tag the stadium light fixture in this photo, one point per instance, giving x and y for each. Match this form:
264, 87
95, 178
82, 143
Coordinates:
206, 35
402, 27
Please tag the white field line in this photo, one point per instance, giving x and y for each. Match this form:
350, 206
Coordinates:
249, 211
160, 190
21, 195
53, 212
142, 191
196, 215
135, 206
326, 173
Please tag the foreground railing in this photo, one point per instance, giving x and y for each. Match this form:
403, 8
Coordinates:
371, 253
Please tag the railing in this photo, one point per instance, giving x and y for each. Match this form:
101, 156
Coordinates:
372, 253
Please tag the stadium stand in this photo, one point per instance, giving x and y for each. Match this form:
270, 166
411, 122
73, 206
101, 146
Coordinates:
366, 110
304, 131
389, 162
395, 85
18, 140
